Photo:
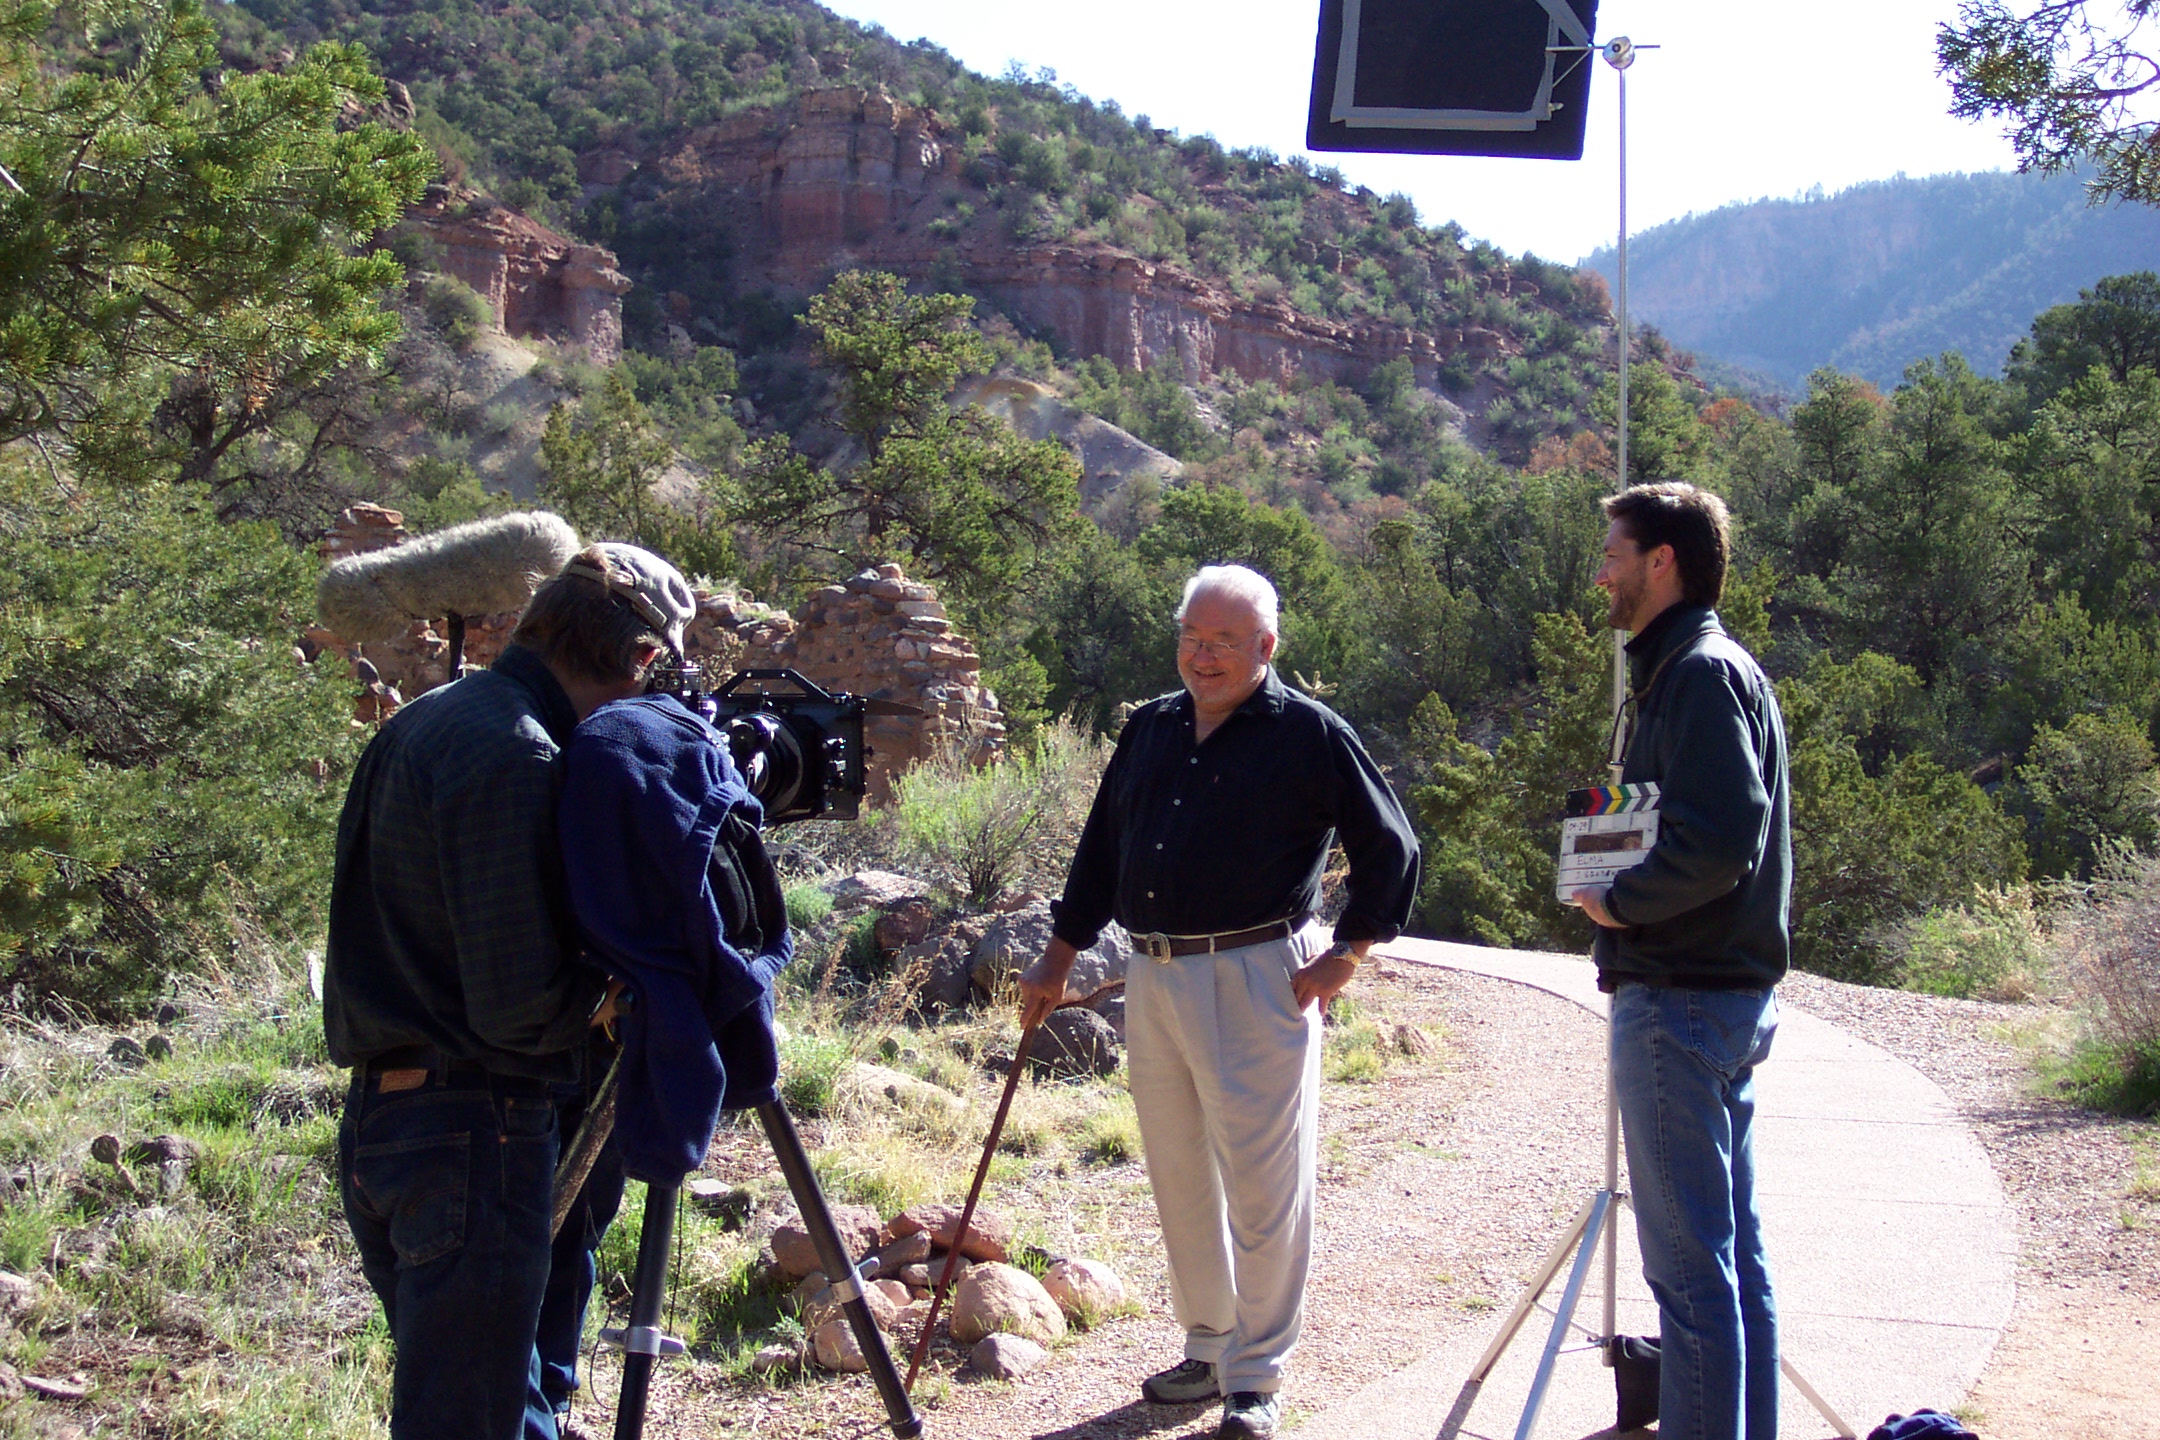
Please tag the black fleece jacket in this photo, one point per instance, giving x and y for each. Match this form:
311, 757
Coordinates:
1710, 906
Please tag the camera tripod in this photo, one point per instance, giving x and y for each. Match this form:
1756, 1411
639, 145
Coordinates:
1596, 1225
642, 1341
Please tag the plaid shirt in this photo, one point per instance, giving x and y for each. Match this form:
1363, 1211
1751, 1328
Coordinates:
449, 920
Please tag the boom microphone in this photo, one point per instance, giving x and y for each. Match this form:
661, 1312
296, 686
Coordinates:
484, 567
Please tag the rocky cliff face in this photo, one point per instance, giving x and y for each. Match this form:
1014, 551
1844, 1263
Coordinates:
848, 177
542, 285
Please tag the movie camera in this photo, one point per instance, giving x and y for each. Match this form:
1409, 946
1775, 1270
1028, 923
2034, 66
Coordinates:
801, 751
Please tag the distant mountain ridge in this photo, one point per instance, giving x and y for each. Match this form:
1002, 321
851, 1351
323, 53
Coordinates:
1877, 276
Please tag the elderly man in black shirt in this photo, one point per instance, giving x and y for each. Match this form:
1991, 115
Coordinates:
1207, 840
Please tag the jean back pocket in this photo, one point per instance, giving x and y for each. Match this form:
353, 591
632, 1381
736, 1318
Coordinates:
418, 1186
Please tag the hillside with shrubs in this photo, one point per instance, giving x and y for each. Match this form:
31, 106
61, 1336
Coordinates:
215, 334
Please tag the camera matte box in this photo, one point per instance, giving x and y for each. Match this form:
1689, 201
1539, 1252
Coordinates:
1452, 77
1608, 829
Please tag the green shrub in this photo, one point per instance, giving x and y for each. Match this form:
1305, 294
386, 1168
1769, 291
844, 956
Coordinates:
2088, 784
174, 774
1991, 948
460, 311
977, 829
807, 905
1870, 851
2113, 969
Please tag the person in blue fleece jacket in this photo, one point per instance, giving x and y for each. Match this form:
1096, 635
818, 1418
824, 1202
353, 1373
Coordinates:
674, 894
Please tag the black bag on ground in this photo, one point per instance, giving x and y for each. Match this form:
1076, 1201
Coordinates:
1635, 1378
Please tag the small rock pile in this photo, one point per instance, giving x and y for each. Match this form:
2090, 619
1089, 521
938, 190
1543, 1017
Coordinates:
1007, 1316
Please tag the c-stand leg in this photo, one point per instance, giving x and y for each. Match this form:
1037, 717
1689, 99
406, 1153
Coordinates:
1597, 1220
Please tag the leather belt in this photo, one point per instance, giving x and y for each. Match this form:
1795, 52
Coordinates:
1161, 948
410, 1067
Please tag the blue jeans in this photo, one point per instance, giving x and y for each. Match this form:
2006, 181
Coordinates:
574, 1264
1684, 1072
446, 1188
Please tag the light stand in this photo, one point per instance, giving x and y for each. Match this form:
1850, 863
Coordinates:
1599, 1218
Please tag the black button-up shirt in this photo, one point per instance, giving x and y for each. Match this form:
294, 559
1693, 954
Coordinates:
1204, 837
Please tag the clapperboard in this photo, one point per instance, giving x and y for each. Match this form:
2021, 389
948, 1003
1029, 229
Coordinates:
1608, 829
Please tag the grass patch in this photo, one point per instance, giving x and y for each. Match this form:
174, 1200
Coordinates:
2113, 1079
1111, 1134
1359, 1050
810, 1067
233, 1277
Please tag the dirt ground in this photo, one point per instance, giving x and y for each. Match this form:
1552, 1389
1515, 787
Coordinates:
1441, 1181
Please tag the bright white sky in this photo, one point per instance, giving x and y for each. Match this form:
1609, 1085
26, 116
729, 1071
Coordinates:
1744, 100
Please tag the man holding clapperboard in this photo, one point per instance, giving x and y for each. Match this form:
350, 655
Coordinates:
1686, 867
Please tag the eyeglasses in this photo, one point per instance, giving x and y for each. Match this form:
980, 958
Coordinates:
1213, 649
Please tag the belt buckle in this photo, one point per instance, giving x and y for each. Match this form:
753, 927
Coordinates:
1158, 946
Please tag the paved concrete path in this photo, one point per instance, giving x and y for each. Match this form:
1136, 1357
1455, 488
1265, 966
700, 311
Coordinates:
1889, 1239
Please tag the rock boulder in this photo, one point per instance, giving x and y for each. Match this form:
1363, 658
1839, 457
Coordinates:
1086, 1290
1074, 1042
1016, 940
1006, 1357
990, 1235
833, 1345
1003, 1299
797, 1257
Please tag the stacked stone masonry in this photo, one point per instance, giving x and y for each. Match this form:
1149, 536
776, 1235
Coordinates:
877, 634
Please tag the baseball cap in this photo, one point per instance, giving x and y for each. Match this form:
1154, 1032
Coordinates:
650, 586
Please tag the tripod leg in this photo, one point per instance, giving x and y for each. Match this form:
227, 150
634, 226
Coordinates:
839, 1268
642, 1343
1565, 1312
1549, 1267
1822, 1406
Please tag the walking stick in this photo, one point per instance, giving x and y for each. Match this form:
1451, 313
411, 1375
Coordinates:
982, 1172
967, 1211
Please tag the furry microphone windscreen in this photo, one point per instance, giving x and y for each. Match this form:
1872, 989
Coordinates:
485, 567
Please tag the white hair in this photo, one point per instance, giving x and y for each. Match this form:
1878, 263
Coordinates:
1234, 582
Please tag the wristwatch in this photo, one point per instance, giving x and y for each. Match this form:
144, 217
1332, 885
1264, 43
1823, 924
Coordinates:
1341, 948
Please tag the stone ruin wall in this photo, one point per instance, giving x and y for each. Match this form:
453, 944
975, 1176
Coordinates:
876, 634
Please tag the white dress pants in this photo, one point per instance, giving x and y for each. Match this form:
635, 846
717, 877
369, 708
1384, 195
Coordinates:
1225, 1076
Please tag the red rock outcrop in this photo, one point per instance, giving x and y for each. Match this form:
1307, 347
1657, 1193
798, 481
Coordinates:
847, 177
541, 284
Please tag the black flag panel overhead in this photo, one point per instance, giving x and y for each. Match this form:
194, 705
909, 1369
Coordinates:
1452, 77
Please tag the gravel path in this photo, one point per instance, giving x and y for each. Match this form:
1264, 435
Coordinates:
1443, 1183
